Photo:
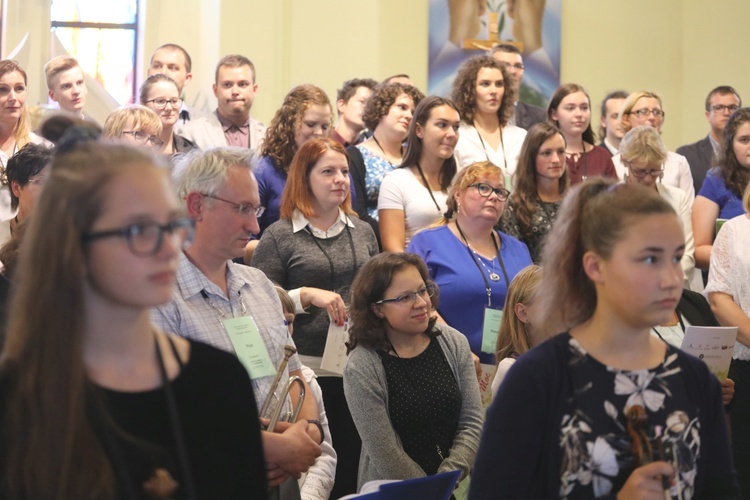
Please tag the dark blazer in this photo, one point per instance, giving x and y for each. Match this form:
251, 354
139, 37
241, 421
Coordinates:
700, 157
528, 115
602, 144
696, 309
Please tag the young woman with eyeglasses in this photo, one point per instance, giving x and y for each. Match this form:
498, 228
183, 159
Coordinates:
539, 184
314, 251
413, 196
605, 408
645, 108
409, 381
472, 262
570, 111
96, 401
159, 92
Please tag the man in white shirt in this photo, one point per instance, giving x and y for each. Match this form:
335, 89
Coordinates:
610, 128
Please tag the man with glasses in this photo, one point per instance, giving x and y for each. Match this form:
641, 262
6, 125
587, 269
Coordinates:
510, 57
230, 124
701, 155
235, 307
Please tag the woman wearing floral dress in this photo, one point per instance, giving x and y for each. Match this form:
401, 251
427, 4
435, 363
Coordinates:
606, 409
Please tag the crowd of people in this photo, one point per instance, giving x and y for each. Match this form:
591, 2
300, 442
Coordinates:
195, 305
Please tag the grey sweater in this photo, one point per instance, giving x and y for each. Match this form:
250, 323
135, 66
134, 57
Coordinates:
293, 260
366, 389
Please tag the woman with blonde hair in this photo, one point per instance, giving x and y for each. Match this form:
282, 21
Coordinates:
643, 154
470, 260
518, 331
136, 125
15, 124
645, 108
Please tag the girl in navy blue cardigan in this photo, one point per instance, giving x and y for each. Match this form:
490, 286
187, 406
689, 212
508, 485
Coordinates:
606, 409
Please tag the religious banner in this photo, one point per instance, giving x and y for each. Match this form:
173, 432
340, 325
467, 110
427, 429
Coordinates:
460, 29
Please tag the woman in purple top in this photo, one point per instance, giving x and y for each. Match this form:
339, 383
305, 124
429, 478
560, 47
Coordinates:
721, 194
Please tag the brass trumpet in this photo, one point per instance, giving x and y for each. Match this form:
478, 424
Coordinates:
276, 413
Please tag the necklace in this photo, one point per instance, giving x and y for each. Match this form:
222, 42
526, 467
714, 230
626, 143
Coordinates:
383, 150
493, 275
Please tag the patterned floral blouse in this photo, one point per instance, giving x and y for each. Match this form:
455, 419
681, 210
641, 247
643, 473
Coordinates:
375, 169
600, 448
534, 234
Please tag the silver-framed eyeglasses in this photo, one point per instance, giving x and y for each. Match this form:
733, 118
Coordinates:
408, 299
244, 209
146, 238
486, 190
644, 112
142, 138
640, 173
161, 103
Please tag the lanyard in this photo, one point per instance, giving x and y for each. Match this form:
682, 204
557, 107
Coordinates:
330, 261
427, 185
205, 296
679, 318
474, 259
502, 145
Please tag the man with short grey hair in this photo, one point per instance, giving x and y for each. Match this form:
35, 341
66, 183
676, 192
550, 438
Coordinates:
235, 307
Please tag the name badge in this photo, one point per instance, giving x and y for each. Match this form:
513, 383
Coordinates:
249, 346
334, 354
490, 329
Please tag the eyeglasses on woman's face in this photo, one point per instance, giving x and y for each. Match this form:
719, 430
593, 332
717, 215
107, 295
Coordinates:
146, 238
408, 299
486, 190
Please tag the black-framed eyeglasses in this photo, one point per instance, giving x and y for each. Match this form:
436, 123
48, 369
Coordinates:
409, 298
486, 190
161, 103
720, 108
640, 173
146, 238
644, 112
242, 208
142, 138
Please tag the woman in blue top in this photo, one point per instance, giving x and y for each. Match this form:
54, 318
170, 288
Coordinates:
721, 194
471, 262
607, 409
